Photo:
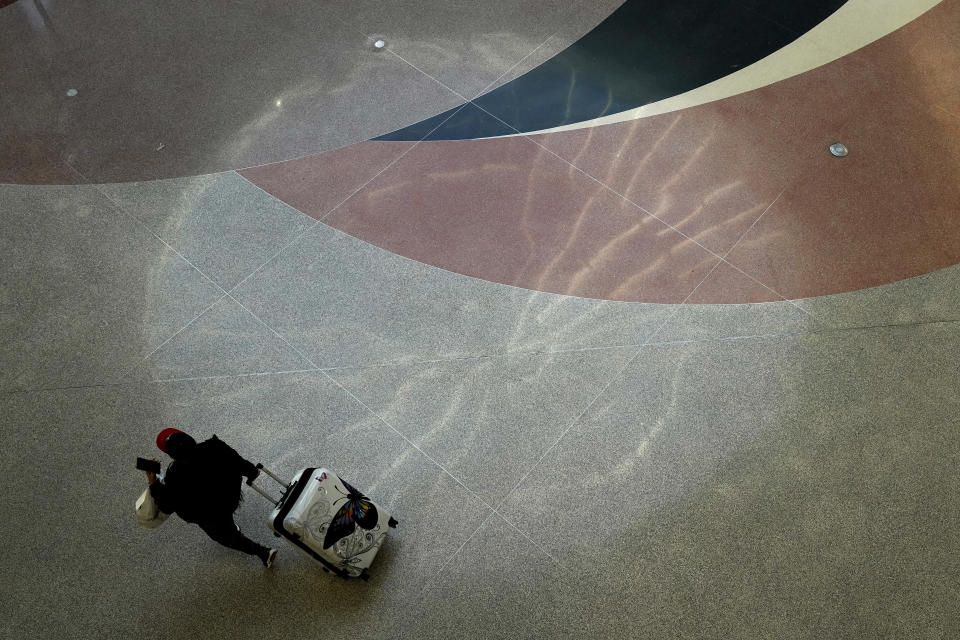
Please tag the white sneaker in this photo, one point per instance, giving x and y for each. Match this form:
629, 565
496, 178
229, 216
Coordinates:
270, 558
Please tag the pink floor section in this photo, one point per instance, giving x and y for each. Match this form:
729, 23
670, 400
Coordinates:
642, 210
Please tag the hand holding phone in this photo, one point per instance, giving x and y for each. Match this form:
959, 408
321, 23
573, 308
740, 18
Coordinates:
151, 466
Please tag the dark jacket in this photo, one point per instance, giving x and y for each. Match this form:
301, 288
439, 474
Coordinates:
204, 486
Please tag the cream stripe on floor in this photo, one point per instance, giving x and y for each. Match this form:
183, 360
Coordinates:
855, 25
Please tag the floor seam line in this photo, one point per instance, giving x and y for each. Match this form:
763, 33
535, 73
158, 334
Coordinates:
391, 427
144, 225
232, 376
572, 424
453, 555
484, 503
368, 409
827, 330
271, 196
465, 99
625, 366
516, 64
97, 187
603, 390
523, 533
379, 173
410, 442
299, 353
603, 184
176, 333
294, 240
638, 206
585, 173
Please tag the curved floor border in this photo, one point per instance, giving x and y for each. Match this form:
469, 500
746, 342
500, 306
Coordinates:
595, 81
641, 210
645, 51
188, 88
853, 26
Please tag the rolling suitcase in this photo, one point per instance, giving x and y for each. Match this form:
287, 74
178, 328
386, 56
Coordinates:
329, 520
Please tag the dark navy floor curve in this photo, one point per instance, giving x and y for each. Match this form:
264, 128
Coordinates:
645, 51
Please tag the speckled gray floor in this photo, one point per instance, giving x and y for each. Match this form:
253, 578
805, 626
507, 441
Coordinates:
561, 467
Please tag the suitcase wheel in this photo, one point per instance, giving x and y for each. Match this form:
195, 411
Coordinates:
392, 523
364, 575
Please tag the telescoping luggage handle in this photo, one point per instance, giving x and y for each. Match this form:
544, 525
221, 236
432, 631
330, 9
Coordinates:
266, 495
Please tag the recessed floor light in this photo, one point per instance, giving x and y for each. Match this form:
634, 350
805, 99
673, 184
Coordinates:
379, 44
839, 149
71, 93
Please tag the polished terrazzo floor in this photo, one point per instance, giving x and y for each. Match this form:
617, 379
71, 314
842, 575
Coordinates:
574, 289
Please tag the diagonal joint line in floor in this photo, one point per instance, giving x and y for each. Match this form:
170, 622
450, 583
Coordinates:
376, 415
412, 444
294, 240
515, 65
827, 330
426, 589
142, 224
174, 334
335, 208
609, 188
613, 378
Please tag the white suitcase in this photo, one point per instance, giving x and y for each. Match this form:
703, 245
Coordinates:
329, 520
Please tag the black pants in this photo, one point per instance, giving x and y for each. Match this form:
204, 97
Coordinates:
223, 530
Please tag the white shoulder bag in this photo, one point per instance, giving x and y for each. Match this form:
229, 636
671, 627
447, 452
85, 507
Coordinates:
149, 515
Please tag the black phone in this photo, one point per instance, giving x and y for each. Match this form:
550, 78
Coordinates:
148, 465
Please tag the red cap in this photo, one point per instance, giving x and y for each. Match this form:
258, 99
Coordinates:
162, 437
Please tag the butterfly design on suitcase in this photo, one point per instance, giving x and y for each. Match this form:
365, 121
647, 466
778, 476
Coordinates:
356, 511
